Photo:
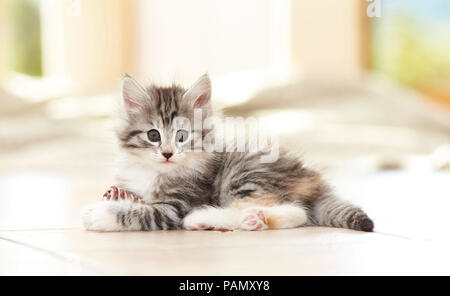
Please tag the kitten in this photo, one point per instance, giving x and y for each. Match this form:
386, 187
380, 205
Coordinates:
187, 189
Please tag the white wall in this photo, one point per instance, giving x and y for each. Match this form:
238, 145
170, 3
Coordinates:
182, 39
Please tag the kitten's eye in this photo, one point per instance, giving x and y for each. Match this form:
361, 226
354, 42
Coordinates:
181, 136
153, 135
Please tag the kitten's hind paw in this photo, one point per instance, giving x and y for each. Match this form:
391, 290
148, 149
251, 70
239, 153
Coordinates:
253, 219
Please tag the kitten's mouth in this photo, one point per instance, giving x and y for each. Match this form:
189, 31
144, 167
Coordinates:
167, 161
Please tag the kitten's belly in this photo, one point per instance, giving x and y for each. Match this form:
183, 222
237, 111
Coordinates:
138, 181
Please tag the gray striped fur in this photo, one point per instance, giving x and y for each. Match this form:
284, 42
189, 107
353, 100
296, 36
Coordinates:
214, 179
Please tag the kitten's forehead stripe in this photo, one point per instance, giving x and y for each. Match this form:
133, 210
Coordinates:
166, 102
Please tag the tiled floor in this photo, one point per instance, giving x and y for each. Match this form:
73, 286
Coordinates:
41, 198
305, 251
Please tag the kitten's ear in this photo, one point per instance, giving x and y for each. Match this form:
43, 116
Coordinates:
134, 96
199, 95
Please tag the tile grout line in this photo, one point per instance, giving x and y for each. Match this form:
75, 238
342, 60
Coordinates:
394, 235
77, 228
54, 254
413, 239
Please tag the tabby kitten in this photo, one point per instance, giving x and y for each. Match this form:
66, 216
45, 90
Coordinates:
183, 186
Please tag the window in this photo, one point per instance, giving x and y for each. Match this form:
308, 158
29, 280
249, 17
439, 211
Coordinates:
23, 37
410, 44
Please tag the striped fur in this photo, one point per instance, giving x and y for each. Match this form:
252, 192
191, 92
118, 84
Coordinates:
207, 190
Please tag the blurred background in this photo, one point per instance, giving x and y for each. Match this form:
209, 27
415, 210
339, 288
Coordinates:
360, 88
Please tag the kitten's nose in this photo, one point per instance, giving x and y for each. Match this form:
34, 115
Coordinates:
167, 155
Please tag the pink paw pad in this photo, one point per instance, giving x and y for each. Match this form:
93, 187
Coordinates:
253, 219
115, 193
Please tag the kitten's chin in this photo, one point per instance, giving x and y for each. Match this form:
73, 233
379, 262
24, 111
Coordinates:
166, 166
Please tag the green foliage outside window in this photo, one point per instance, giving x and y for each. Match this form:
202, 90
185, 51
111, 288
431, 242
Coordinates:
23, 48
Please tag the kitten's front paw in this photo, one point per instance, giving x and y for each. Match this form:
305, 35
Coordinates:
101, 217
253, 219
210, 218
197, 221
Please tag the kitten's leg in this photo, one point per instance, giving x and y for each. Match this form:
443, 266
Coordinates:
124, 215
209, 218
331, 211
325, 209
273, 217
246, 218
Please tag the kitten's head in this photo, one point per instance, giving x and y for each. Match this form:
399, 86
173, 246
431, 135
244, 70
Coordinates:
157, 124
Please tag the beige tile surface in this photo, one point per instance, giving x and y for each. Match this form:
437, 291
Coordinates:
304, 251
17, 259
46, 185
406, 203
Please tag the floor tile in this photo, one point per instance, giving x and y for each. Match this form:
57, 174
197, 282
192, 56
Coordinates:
16, 259
304, 251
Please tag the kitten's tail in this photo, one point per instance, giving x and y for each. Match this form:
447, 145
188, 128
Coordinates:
331, 211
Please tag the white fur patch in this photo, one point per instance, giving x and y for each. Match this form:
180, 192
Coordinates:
137, 178
252, 218
287, 216
212, 218
99, 217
